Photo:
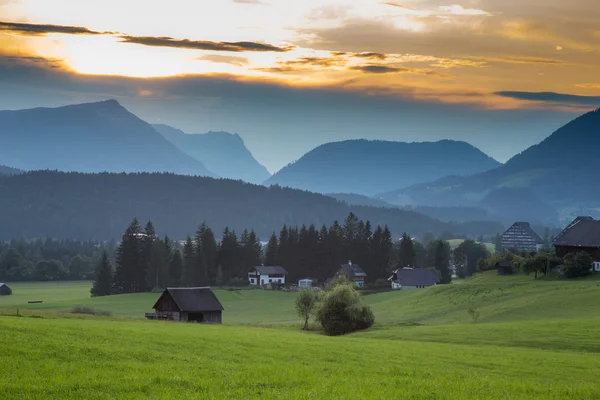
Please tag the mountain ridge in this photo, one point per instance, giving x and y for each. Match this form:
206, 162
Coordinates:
89, 137
368, 167
224, 153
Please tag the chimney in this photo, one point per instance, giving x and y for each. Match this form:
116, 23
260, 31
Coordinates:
349, 262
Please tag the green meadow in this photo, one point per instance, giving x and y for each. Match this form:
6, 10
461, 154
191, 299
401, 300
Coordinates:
531, 339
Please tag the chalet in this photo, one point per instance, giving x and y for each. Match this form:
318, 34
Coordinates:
352, 272
581, 235
5, 290
413, 278
263, 275
197, 304
521, 237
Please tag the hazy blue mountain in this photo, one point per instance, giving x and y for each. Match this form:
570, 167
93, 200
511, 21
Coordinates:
354, 199
369, 167
4, 170
550, 182
223, 153
92, 137
100, 206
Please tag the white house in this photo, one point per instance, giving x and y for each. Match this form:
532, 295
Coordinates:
305, 283
264, 275
413, 278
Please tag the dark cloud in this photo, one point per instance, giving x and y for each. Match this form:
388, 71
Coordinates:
552, 97
378, 69
316, 61
202, 44
371, 56
43, 29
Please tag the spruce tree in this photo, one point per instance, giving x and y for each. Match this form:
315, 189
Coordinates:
127, 273
206, 237
175, 268
103, 278
189, 260
406, 254
271, 251
442, 261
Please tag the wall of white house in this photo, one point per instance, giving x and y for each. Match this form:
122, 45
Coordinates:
264, 279
596, 266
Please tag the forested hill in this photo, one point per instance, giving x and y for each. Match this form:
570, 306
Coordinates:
4, 170
369, 167
100, 206
93, 137
223, 153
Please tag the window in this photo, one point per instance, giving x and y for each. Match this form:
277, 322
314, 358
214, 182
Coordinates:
270, 280
251, 280
597, 266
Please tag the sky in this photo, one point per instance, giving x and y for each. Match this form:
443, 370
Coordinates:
289, 75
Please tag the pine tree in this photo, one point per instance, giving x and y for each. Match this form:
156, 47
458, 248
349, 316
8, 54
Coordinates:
271, 251
206, 236
145, 259
442, 261
189, 261
228, 255
127, 273
103, 279
406, 253
175, 268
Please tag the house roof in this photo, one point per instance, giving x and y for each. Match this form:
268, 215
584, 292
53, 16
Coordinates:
270, 270
414, 277
3, 284
353, 270
193, 299
520, 233
582, 232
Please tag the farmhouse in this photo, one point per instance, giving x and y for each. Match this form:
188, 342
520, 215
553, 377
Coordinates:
520, 236
264, 275
581, 235
413, 278
188, 305
352, 272
5, 290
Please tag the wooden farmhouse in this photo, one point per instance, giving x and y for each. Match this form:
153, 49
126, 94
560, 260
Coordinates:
413, 278
352, 272
581, 235
521, 237
5, 290
188, 305
262, 275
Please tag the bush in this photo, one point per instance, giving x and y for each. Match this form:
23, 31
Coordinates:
89, 311
577, 265
382, 283
342, 311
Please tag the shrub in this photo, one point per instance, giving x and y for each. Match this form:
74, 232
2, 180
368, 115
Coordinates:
89, 311
342, 311
577, 265
382, 283
305, 305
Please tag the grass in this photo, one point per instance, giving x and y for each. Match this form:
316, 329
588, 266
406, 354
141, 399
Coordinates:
534, 339
94, 359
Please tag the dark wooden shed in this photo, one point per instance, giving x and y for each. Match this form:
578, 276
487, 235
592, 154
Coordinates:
5, 290
188, 305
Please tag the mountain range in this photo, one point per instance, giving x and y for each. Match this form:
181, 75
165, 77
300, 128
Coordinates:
93, 137
552, 181
100, 206
221, 152
369, 167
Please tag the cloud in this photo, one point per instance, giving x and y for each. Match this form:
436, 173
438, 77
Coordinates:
588, 85
202, 44
218, 58
390, 69
553, 97
317, 61
249, 1
43, 29
371, 56
460, 10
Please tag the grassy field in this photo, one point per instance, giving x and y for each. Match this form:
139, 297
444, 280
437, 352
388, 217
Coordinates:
534, 339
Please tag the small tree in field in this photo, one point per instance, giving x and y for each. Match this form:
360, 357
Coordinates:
341, 311
305, 305
103, 281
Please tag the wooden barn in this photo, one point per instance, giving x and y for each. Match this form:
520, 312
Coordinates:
581, 235
5, 290
197, 304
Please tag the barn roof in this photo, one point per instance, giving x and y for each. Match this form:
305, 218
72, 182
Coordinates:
274, 270
414, 277
194, 299
583, 232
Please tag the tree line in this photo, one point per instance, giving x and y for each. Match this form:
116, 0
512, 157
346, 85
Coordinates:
144, 261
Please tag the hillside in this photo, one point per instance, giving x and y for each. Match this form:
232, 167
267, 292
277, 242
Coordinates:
223, 153
369, 167
549, 182
360, 200
4, 170
94, 137
88, 206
